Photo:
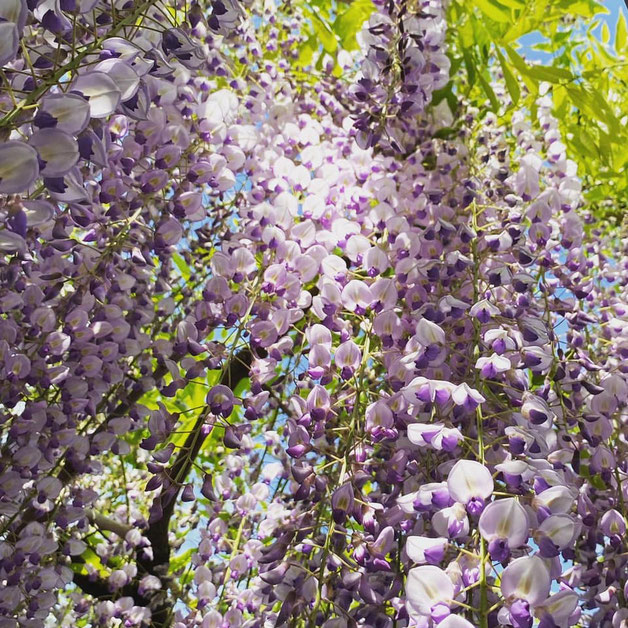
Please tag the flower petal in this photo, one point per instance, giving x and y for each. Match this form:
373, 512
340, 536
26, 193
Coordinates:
18, 167
11, 242
561, 529
526, 578
505, 519
38, 212
469, 479
101, 92
9, 41
455, 621
57, 149
426, 586
123, 75
71, 112
417, 546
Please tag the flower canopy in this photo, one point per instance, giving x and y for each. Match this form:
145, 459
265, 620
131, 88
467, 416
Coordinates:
312, 313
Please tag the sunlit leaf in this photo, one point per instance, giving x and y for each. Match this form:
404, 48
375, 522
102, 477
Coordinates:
488, 90
349, 22
494, 10
512, 84
324, 32
621, 34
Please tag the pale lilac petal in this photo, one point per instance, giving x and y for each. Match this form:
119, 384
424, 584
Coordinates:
71, 112
357, 296
526, 578
122, 48
561, 529
505, 519
613, 523
58, 151
14, 11
9, 42
464, 395
451, 522
469, 479
170, 232
422, 433
417, 546
455, 621
11, 242
85, 6
560, 606
427, 586
138, 106
101, 92
74, 189
428, 333
19, 167
38, 211
557, 499
122, 74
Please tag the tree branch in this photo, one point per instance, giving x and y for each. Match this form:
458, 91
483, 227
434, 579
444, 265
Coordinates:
157, 533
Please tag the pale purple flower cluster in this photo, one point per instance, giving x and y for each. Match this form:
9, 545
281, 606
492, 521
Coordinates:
254, 373
404, 62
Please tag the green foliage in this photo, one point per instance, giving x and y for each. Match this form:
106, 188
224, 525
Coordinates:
350, 21
586, 78
333, 27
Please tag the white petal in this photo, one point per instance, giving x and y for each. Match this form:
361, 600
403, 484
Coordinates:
469, 479
416, 546
505, 519
426, 586
560, 529
101, 91
526, 578
455, 621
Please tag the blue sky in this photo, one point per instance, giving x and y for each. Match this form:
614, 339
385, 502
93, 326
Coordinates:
615, 7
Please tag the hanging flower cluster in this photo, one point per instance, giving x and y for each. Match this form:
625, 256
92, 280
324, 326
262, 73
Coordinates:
404, 62
256, 372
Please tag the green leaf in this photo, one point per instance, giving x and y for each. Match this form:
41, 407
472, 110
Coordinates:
348, 23
494, 10
445, 133
549, 74
537, 72
470, 65
512, 84
182, 265
488, 90
606, 34
514, 4
584, 8
590, 102
323, 32
307, 51
182, 560
518, 62
621, 34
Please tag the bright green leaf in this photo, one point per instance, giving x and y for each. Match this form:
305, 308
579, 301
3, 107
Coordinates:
323, 32
512, 84
349, 23
470, 65
182, 265
621, 34
488, 90
494, 10
537, 72
606, 34
182, 560
307, 51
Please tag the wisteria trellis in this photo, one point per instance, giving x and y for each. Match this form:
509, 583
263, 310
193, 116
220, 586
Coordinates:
278, 351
